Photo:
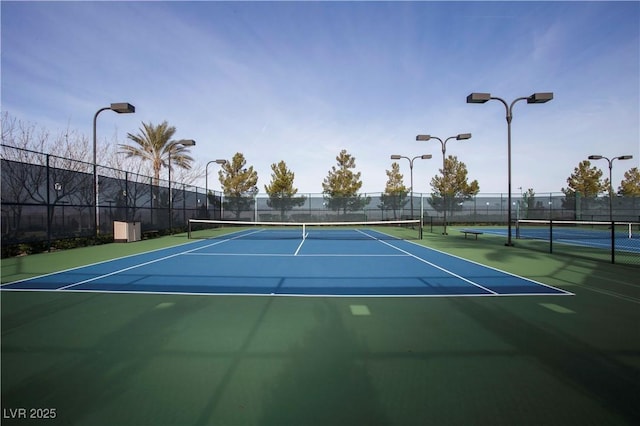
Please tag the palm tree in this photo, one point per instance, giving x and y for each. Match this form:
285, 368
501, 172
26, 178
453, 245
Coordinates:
154, 144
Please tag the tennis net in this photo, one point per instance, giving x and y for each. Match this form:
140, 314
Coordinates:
390, 229
575, 230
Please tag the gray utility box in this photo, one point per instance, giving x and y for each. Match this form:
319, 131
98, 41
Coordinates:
125, 232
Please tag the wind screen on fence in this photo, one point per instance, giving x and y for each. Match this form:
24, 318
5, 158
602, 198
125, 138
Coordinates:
367, 230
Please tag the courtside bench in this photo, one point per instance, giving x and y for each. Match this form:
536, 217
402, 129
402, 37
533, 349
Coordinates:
470, 231
150, 234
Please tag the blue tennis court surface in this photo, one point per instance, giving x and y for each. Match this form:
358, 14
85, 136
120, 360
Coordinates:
252, 263
598, 239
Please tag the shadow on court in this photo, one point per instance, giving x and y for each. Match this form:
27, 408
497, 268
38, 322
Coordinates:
62, 369
324, 380
584, 368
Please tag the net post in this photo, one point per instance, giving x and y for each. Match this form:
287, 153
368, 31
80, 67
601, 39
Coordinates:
189, 229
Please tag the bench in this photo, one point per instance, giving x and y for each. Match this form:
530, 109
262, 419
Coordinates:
470, 231
150, 234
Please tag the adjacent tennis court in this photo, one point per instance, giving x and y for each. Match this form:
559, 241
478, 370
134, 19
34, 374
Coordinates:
590, 234
295, 259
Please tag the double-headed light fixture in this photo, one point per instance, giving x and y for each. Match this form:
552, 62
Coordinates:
422, 157
459, 137
610, 161
536, 98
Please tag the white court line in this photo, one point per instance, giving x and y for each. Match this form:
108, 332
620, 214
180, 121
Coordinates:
192, 252
298, 255
150, 262
563, 292
304, 238
300, 295
431, 264
96, 263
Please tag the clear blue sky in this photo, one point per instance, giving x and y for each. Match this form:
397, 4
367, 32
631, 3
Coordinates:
300, 81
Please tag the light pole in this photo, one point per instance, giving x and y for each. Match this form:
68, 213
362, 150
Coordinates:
610, 161
459, 137
422, 157
120, 108
206, 181
171, 147
536, 98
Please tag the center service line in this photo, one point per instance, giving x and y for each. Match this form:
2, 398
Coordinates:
304, 238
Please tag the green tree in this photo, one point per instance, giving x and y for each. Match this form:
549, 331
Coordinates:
586, 180
238, 184
342, 184
153, 143
630, 185
395, 193
281, 191
584, 184
452, 185
528, 203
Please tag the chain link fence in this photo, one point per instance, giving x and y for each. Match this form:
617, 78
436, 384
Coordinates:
48, 199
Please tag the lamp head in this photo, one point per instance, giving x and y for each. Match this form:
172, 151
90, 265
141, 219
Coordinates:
540, 98
625, 157
396, 157
595, 157
186, 142
463, 136
426, 156
221, 161
423, 137
123, 108
478, 98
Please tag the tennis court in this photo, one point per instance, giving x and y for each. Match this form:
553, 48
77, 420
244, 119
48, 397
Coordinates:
260, 260
591, 234
363, 327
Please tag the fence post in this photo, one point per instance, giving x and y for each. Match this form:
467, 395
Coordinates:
184, 204
126, 196
49, 212
152, 196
